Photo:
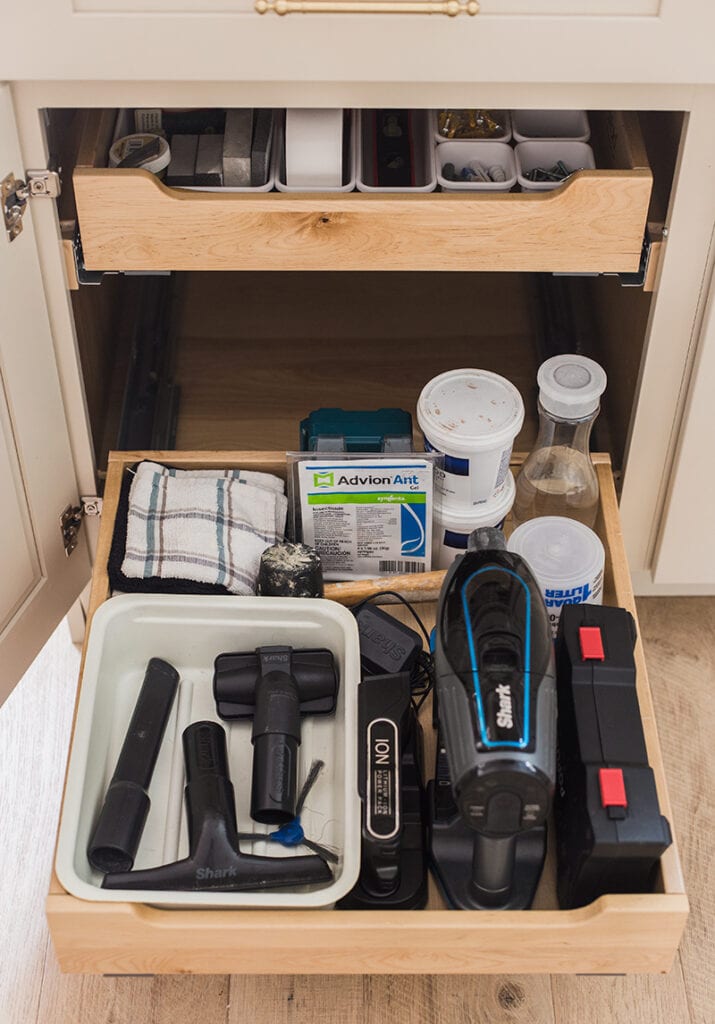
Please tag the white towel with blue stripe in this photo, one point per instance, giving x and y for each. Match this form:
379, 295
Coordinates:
206, 525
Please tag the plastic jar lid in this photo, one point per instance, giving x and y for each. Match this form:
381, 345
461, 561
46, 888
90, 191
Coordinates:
558, 550
571, 386
465, 411
489, 513
122, 147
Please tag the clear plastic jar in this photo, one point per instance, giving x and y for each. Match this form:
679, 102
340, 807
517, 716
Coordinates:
558, 477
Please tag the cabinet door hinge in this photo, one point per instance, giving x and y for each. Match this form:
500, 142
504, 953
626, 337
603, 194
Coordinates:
71, 519
15, 193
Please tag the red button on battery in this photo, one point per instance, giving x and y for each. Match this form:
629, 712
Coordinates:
613, 788
591, 643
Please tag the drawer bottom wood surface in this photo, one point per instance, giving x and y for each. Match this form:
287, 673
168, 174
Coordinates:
614, 935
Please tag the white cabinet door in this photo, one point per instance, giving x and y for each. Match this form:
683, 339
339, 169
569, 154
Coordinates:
686, 550
38, 582
531, 41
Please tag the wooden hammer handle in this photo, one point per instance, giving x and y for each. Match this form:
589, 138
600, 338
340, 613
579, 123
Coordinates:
416, 586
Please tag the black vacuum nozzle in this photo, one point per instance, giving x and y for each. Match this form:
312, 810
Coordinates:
275, 686
215, 862
116, 836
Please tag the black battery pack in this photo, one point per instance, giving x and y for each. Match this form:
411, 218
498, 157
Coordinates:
393, 871
610, 832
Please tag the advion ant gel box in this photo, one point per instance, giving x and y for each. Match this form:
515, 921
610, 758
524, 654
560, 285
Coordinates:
368, 517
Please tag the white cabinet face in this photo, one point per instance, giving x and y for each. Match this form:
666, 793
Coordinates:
686, 552
532, 8
38, 582
530, 41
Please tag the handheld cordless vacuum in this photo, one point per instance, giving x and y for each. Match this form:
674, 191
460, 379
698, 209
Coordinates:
496, 702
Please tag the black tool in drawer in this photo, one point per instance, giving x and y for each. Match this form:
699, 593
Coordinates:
610, 829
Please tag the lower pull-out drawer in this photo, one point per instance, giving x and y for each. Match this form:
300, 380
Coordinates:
615, 934
594, 223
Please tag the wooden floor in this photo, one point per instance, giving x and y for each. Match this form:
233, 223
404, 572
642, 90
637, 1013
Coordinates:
34, 731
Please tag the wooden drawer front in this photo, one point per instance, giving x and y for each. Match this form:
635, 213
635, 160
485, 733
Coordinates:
595, 222
615, 934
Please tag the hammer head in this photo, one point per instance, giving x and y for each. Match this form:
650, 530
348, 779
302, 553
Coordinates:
236, 678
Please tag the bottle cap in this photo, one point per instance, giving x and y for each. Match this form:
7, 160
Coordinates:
570, 386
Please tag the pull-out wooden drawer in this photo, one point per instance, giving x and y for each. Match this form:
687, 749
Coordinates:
615, 934
595, 222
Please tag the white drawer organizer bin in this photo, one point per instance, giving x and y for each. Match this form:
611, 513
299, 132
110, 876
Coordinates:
189, 632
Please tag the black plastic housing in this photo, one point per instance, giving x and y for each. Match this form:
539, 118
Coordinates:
116, 835
602, 848
393, 872
275, 686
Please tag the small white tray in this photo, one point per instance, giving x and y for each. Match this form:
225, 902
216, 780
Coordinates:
189, 632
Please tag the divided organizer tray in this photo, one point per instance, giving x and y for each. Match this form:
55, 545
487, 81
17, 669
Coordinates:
189, 633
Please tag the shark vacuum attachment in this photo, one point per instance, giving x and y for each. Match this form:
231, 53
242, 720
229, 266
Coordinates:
275, 686
119, 828
496, 765
215, 862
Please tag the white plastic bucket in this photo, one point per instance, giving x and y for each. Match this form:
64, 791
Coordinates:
471, 417
567, 559
486, 154
550, 124
189, 632
451, 527
575, 155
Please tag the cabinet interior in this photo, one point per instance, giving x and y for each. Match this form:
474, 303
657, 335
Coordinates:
234, 360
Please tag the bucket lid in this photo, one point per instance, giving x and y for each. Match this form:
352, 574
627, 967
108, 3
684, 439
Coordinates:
488, 513
468, 410
557, 549
570, 386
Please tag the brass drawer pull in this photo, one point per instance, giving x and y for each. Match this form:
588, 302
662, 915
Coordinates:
448, 7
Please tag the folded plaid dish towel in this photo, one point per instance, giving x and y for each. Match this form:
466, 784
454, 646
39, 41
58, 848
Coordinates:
202, 525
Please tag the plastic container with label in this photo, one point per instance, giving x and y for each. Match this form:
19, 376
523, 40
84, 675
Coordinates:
567, 559
451, 527
471, 417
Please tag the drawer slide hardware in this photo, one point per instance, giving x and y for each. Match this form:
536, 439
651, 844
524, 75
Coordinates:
15, 193
71, 519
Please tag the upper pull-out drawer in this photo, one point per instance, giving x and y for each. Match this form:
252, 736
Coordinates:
594, 222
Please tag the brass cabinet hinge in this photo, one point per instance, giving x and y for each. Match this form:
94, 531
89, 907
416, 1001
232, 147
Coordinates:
15, 193
72, 516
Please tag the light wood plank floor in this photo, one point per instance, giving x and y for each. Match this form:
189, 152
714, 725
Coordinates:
34, 732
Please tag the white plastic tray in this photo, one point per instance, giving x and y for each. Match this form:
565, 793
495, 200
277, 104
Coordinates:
189, 632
